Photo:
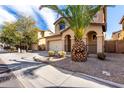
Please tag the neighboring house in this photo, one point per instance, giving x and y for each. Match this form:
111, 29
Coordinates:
116, 35
41, 38
63, 39
119, 35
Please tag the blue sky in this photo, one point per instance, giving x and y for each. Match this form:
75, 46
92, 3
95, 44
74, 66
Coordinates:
114, 15
45, 18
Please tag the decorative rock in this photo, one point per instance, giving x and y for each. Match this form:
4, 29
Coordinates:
106, 73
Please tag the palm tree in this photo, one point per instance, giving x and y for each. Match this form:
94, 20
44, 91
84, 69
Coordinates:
79, 18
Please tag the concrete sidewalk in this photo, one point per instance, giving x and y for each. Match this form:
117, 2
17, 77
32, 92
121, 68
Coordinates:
7, 78
33, 74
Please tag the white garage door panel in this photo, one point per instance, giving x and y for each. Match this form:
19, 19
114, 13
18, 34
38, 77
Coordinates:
55, 45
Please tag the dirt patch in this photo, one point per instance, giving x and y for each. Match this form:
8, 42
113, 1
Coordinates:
110, 69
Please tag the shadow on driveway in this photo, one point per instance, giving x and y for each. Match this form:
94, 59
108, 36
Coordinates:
6, 69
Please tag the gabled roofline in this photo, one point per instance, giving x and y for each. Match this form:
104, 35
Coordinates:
63, 17
121, 20
44, 31
116, 32
58, 20
104, 10
53, 35
94, 23
102, 24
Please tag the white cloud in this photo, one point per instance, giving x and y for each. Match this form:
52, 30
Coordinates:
5, 16
49, 17
23, 9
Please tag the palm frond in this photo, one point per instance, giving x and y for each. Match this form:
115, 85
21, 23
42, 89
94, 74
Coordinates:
79, 17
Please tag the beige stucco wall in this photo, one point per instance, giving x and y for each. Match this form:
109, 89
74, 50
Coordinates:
115, 36
53, 38
39, 34
95, 28
100, 36
99, 18
57, 29
90, 39
50, 39
68, 32
48, 33
42, 40
121, 36
118, 35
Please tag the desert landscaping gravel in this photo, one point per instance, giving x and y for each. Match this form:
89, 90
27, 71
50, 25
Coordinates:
110, 69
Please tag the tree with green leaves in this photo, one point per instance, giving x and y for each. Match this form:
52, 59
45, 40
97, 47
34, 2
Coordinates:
79, 18
21, 33
26, 26
30, 38
9, 35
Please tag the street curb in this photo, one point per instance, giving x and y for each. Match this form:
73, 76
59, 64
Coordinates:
117, 85
106, 82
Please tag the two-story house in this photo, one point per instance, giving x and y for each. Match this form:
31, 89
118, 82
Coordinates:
63, 38
42, 38
116, 35
119, 35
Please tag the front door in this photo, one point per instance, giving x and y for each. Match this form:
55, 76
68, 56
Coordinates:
68, 43
92, 43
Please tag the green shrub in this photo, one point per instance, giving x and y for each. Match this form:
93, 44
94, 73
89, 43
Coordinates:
51, 53
101, 56
61, 53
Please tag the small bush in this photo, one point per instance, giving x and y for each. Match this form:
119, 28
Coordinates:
101, 56
61, 53
51, 53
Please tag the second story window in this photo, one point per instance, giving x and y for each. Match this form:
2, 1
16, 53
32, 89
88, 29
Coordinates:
61, 26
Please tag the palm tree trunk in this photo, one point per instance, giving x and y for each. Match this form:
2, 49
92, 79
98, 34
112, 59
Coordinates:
79, 51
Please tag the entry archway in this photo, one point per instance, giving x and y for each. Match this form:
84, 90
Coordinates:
92, 42
68, 43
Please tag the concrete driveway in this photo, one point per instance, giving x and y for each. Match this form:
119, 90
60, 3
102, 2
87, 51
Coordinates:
33, 74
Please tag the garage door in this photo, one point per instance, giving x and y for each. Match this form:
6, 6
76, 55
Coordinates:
55, 45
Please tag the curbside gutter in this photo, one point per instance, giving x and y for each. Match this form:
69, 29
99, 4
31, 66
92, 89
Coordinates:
113, 84
103, 81
107, 82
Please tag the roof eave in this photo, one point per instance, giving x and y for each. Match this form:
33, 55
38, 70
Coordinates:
121, 20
